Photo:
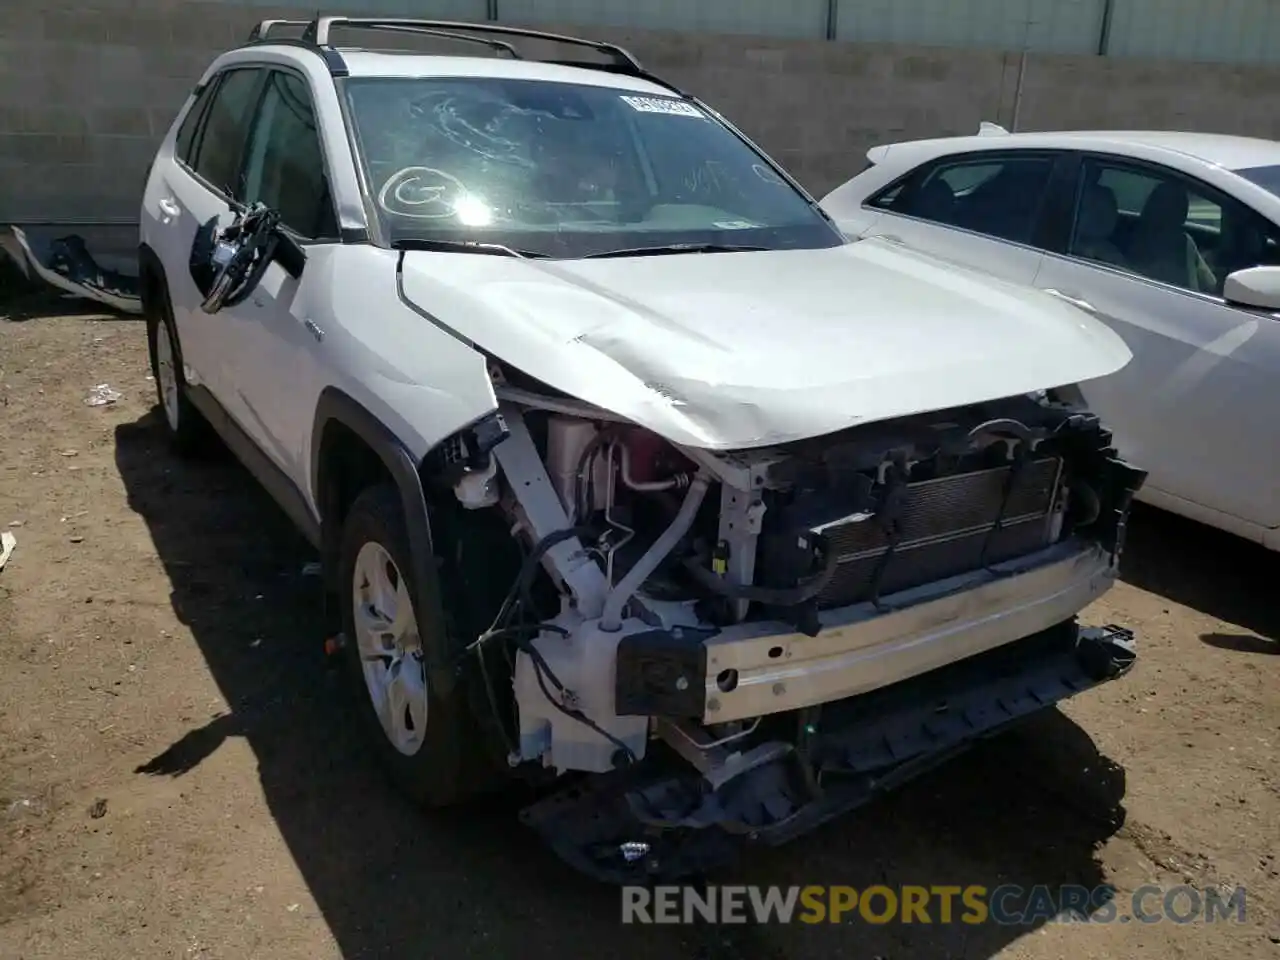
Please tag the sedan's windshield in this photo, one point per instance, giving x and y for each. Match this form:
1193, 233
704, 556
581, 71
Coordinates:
567, 170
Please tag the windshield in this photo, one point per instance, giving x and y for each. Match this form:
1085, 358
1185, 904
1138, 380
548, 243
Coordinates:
566, 170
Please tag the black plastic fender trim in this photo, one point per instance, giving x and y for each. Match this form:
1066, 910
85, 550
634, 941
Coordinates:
148, 261
335, 405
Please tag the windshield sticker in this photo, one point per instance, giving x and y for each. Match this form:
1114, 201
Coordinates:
736, 225
676, 108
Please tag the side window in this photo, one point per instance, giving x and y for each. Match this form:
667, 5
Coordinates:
999, 196
191, 122
215, 154
285, 168
1166, 227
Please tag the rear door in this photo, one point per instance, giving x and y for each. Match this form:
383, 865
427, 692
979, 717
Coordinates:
981, 209
195, 190
1148, 252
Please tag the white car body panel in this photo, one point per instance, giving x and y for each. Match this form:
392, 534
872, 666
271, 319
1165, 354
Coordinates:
343, 326
737, 350
1196, 406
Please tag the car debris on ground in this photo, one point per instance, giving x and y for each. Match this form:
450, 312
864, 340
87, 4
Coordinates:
102, 395
64, 262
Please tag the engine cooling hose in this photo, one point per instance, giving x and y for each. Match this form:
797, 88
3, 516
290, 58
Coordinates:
770, 596
611, 618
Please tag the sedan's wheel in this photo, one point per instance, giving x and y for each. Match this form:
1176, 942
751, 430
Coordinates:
414, 706
386, 635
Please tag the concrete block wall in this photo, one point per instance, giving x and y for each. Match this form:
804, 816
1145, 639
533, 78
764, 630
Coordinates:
86, 90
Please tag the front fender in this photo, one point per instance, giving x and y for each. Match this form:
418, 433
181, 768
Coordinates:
422, 382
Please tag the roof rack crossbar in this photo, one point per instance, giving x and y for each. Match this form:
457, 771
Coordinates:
317, 32
500, 45
262, 29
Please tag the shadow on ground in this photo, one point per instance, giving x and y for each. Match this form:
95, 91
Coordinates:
1241, 642
40, 303
1208, 570
1028, 808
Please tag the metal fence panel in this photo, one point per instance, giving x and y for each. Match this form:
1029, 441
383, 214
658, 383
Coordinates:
1240, 31
1054, 26
1232, 31
792, 18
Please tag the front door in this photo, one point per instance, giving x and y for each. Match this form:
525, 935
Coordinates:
1149, 252
275, 363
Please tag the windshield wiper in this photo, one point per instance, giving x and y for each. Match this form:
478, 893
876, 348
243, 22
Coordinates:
676, 248
463, 246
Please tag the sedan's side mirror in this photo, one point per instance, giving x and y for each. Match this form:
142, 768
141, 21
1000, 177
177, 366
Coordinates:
1254, 287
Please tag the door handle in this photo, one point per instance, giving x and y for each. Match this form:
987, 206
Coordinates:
169, 207
1084, 305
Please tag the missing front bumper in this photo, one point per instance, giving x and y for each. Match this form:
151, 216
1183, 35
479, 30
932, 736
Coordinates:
757, 669
682, 825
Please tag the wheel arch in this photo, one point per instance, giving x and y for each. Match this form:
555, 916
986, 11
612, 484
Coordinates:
350, 449
152, 281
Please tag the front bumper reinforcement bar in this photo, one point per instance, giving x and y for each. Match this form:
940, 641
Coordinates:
661, 822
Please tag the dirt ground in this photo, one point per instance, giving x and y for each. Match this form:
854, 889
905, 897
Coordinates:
179, 777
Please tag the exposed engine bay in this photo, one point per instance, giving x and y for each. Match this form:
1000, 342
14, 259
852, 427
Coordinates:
656, 578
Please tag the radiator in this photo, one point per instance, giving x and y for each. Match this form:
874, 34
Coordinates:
944, 526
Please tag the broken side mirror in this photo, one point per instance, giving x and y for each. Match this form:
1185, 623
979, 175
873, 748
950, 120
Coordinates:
1257, 287
227, 264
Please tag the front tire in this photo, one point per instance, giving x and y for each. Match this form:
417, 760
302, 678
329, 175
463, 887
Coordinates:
425, 735
189, 432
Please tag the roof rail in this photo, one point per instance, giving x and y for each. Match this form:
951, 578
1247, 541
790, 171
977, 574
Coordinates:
500, 45
262, 29
317, 33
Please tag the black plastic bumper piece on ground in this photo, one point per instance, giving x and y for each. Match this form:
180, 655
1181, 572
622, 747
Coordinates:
661, 821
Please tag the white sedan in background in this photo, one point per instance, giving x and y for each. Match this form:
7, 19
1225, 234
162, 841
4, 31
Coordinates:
1172, 239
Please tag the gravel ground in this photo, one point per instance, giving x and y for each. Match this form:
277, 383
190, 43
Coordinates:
179, 776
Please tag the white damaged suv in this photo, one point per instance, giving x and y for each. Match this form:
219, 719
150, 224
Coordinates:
632, 476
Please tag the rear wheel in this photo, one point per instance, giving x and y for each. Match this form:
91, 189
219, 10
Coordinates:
405, 692
188, 430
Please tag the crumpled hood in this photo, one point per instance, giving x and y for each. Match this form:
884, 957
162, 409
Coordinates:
737, 350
